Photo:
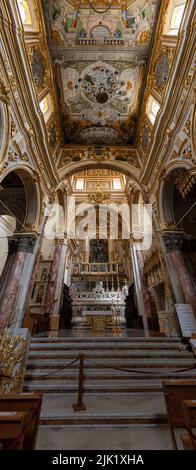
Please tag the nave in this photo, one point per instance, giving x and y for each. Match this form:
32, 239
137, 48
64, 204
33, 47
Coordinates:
97, 224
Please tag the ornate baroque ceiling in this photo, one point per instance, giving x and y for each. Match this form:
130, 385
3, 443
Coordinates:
99, 62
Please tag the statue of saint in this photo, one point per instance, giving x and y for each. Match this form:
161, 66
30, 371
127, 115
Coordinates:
72, 291
125, 290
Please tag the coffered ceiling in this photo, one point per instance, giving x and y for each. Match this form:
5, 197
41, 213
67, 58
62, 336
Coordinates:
99, 52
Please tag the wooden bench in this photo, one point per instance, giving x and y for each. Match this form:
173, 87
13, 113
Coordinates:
12, 430
189, 412
30, 403
175, 391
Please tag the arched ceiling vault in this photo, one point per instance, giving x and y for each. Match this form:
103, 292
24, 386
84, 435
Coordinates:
99, 62
125, 168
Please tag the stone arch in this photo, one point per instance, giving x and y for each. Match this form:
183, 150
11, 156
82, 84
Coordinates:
25, 206
4, 129
173, 205
123, 167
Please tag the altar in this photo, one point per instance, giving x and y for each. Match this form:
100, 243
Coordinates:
99, 307
99, 320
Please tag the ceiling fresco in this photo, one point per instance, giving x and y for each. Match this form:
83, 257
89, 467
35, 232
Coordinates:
99, 52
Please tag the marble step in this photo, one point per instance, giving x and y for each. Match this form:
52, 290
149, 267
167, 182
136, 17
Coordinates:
60, 404
61, 359
101, 419
104, 375
109, 350
117, 356
94, 387
97, 339
108, 344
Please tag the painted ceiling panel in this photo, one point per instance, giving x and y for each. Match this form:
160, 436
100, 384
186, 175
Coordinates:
99, 52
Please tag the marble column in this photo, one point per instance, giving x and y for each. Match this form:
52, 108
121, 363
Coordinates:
60, 279
179, 271
12, 247
139, 287
36, 260
149, 309
53, 297
14, 284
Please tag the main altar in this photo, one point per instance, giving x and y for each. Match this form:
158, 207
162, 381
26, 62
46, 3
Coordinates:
99, 308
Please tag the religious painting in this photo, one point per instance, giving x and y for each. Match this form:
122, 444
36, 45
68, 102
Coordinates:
44, 275
38, 67
98, 251
40, 295
162, 70
76, 270
145, 137
121, 269
52, 136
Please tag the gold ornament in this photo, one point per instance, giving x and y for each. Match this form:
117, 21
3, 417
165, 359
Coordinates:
12, 362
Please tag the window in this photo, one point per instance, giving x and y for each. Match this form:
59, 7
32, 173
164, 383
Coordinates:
177, 17
79, 184
24, 12
46, 107
174, 17
117, 184
152, 108
100, 32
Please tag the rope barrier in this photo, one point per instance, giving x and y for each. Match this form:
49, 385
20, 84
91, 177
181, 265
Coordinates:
132, 371
142, 371
61, 368
45, 375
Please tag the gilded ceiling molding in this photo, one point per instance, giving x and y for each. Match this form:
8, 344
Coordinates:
98, 154
193, 132
99, 197
170, 132
4, 92
40, 64
28, 150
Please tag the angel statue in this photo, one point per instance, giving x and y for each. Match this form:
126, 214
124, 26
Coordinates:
125, 290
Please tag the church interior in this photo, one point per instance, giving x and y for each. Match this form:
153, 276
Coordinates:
97, 224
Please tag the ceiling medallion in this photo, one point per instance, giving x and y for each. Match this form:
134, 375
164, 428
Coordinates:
102, 85
99, 197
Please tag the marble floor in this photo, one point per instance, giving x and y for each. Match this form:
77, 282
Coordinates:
104, 437
60, 404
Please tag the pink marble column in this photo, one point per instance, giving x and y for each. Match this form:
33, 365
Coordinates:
147, 298
50, 297
173, 242
12, 289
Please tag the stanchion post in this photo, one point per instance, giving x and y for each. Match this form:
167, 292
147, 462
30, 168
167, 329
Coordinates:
79, 406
